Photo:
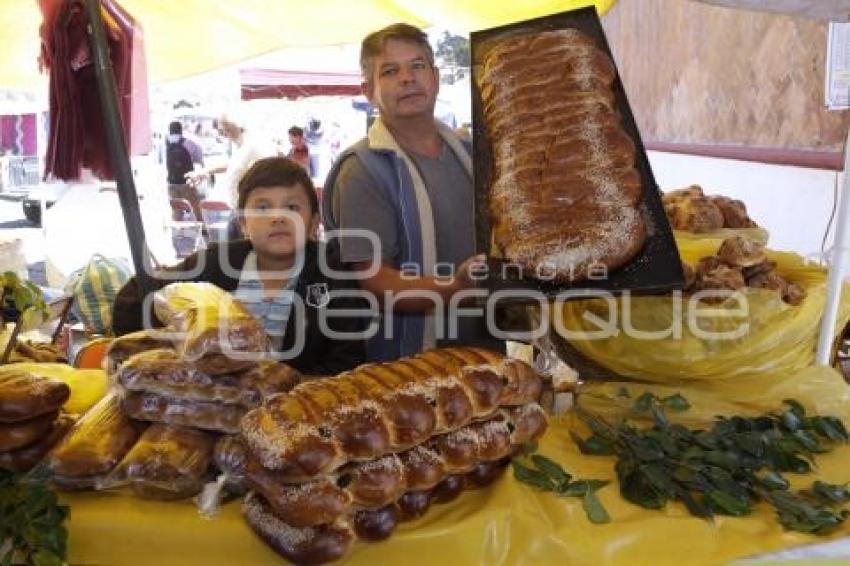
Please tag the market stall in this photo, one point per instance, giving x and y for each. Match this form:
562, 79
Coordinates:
507, 523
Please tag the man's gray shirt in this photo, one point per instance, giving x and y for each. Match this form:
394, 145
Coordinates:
362, 202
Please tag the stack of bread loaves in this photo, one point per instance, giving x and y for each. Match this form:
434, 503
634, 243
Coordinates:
194, 381
349, 457
31, 421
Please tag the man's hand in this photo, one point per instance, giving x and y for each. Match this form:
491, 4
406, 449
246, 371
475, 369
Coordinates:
387, 278
467, 271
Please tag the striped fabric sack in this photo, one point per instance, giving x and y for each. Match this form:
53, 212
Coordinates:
94, 288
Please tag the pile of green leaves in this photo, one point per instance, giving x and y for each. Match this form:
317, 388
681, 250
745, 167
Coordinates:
547, 475
727, 469
32, 527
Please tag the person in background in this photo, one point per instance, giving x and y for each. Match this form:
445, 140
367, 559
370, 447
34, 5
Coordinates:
409, 182
277, 265
298, 151
246, 149
181, 157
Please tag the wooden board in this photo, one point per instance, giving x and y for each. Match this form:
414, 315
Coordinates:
701, 74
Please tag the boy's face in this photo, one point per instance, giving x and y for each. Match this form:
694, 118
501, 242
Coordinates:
278, 220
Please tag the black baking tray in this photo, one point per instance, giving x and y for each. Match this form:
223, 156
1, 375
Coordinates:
657, 268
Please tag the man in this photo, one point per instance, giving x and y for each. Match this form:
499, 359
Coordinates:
181, 156
298, 151
246, 150
410, 183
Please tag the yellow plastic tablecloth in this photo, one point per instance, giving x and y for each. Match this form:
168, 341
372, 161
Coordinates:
509, 523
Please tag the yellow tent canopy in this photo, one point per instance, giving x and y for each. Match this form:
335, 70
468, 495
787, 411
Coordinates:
193, 36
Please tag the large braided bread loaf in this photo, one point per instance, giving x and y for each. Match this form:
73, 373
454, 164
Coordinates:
378, 409
374, 484
565, 195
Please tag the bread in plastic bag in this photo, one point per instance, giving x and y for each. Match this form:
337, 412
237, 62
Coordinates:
168, 462
25, 395
23, 433
163, 372
715, 343
209, 324
24, 459
95, 444
123, 347
217, 417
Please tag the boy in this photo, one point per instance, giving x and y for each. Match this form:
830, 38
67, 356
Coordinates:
276, 266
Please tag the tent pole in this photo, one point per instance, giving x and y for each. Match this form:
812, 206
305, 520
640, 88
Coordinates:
115, 142
840, 252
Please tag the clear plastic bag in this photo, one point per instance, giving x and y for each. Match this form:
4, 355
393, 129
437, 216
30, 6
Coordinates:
217, 417
96, 443
163, 372
168, 462
123, 347
230, 458
211, 328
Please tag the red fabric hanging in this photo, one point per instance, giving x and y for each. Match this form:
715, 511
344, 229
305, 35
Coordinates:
76, 135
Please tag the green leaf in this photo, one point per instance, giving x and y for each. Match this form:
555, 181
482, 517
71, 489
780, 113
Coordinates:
676, 403
799, 515
808, 441
552, 469
749, 442
830, 427
831, 492
728, 504
722, 459
664, 441
44, 557
637, 489
580, 487
532, 477
795, 407
644, 402
658, 478
792, 420
594, 445
593, 508
659, 417
773, 481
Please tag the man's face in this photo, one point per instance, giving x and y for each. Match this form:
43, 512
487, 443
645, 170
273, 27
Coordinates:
278, 220
404, 82
296, 141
